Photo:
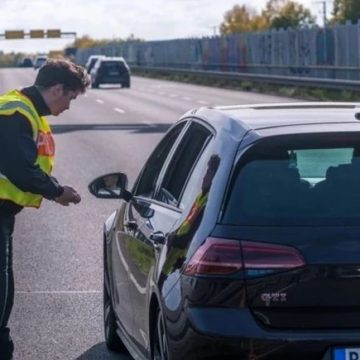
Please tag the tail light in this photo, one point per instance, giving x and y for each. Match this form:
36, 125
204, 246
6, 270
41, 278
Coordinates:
216, 257
224, 256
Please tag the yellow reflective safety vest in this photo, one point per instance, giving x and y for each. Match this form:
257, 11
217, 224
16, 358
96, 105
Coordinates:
13, 102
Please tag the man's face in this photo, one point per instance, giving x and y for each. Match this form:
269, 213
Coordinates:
61, 99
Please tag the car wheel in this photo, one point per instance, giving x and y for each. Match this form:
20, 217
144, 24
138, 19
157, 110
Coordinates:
126, 84
95, 85
112, 340
160, 344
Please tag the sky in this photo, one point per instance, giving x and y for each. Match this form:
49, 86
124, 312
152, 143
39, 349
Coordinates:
108, 19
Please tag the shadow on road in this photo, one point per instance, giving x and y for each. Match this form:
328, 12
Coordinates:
100, 352
135, 128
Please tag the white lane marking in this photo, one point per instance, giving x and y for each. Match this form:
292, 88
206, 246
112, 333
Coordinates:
203, 102
121, 111
148, 123
60, 292
100, 101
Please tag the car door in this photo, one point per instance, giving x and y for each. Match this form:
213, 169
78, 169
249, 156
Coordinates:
155, 217
119, 279
128, 252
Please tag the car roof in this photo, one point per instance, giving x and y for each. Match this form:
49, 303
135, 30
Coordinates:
93, 58
112, 58
276, 117
109, 60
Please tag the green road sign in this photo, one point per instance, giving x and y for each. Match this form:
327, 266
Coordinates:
14, 34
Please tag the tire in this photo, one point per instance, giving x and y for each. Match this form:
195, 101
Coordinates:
126, 84
95, 85
159, 339
112, 340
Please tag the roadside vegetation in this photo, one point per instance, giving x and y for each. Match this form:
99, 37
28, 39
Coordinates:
11, 60
285, 14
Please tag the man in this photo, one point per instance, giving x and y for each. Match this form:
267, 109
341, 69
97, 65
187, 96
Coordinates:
26, 160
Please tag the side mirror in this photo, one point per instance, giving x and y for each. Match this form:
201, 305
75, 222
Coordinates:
110, 186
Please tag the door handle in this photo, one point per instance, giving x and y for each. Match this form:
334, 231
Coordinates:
157, 237
131, 225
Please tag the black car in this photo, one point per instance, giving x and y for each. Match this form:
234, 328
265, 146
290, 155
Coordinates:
110, 70
239, 238
26, 62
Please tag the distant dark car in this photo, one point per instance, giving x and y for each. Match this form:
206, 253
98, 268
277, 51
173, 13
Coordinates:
240, 238
26, 62
110, 70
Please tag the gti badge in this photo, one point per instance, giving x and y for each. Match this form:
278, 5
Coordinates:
269, 298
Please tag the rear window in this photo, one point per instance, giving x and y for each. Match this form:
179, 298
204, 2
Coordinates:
296, 184
40, 60
113, 67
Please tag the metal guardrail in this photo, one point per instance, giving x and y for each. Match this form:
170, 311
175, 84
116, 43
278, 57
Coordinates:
335, 84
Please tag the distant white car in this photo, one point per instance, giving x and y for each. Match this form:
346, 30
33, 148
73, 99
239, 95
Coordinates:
40, 61
92, 61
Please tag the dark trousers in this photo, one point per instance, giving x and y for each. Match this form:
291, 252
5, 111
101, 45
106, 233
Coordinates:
6, 285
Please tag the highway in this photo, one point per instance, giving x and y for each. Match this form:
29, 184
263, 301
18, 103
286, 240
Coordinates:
58, 250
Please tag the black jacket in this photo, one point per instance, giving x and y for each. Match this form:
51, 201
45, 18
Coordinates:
18, 153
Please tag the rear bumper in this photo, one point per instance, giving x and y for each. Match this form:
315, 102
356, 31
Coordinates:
218, 333
112, 80
240, 323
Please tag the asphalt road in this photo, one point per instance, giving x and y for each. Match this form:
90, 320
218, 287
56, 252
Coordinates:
58, 250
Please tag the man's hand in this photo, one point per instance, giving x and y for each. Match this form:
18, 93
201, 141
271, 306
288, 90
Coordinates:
69, 195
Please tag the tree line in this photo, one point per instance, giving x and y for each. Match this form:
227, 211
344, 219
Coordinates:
284, 14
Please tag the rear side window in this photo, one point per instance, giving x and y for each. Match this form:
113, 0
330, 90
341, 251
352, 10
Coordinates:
293, 186
92, 63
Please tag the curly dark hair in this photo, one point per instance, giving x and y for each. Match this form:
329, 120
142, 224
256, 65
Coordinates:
61, 71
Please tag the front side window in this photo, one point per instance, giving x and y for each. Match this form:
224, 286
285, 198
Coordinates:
182, 163
146, 183
294, 184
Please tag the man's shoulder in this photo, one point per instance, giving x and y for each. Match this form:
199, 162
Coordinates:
15, 120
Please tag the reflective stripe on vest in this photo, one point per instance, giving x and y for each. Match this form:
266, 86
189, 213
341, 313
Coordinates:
13, 102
